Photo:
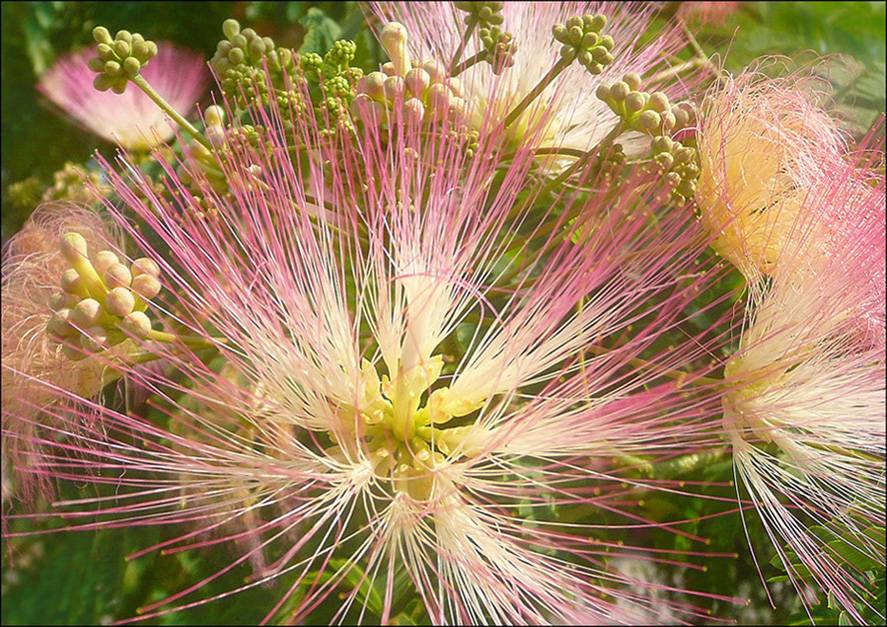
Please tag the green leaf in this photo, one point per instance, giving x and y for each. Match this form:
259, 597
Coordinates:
322, 32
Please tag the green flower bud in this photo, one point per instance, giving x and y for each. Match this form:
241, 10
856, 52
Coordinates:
122, 48
414, 110
102, 36
659, 102
118, 276
124, 35
147, 286
62, 300
73, 247
105, 52
112, 68
59, 326
559, 32
236, 56
417, 81
214, 115
86, 313
635, 102
574, 22
662, 144
136, 324
141, 50
131, 66
120, 302
649, 121
73, 283
230, 28
633, 80
104, 260
393, 87
603, 93
103, 82
96, 65
619, 91
94, 340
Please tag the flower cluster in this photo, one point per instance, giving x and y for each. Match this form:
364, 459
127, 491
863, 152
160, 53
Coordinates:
445, 342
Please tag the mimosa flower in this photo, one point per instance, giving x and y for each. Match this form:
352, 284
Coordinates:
130, 119
566, 114
34, 365
805, 407
762, 143
425, 374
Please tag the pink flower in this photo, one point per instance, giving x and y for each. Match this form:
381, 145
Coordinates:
35, 367
422, 374
130, 119
805, 407
762, 143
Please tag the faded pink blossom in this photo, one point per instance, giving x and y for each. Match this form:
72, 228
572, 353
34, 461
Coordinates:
34, 366
130, 119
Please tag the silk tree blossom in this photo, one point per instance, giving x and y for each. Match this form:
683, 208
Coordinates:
805, 410
130, 119
425, 372
762, 144
565, 114
32, 362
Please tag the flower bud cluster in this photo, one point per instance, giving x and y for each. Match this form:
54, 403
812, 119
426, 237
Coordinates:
678, 164
500, 48
425, 92
103, 300
482, 14
610, 163
120, 58
338, 78
582, 40
240, 61
652, 114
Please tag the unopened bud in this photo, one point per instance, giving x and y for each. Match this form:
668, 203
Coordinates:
94, 339
137, 324
118, 276
145, 265
633, 80
59, 324
73, 247
73, 283
86, 313
649, 121
146, 286
394, 39
635, 102
102, 36
119, 302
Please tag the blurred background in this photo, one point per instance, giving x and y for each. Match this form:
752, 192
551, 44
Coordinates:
84, 578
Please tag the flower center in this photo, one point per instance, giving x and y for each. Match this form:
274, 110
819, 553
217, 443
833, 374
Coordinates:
399, 420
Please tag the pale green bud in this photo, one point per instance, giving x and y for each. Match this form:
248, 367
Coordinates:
136, 324
118, 276
120, 302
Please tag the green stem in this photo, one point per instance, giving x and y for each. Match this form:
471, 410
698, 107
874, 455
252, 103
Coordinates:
462, 44
142, 84
480, 56
192, 341
582, 160
558, 67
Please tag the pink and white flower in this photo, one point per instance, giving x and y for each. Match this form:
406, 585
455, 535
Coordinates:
425, 371
130, 119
